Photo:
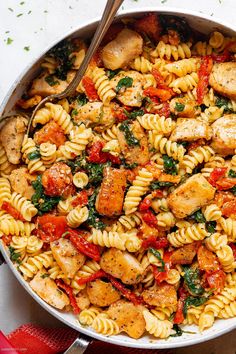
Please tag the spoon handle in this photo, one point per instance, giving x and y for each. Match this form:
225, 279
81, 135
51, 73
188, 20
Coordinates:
109, 13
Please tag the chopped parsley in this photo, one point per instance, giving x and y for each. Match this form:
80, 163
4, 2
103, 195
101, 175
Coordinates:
51, 80
179, 107
27, 48
9, 40
159, 185
129, 136
10, 9
14, 256
19, 15
45, 275
125, 82
170, 165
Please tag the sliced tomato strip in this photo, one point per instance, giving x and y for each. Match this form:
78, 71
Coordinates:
152, 241
12, 211
149, 218
51, 227
90, 89
81, 199
163, 94
229, 208
216, 280
161, 276
69, 292
96, 155
84, 280
216, 174
83, 246
203, 77
179, 315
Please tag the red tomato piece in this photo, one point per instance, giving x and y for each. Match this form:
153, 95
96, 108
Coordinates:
149, 218
233, 246
163, 94
225, 183
69, 292
221, 58
84, 280
160, 276
56, 179
165, 110
216, 280
216, 174
229, 209
12, 211
179, 315
90, 89
207, 260
83, 246
50, 132
81, 199
96, 155
152, 241
203, 75
51, 227
145, 204
149, 25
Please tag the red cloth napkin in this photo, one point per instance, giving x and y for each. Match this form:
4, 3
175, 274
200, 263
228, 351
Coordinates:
32, 339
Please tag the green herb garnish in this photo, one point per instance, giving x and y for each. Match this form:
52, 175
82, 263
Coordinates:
129, 136
224, 102
211, 226
62, 53
178, 331
9, 40
232, 174
128, 166
179, 107
170, 165
45, 275
159, 185
51, 80
112, 73
94, 218
42, 202
124, 82
158, 256
74, 112
134, 114
192, 281
81, 99
198, 216
14, 256
193, 301
34, 155
27, 48
233, 190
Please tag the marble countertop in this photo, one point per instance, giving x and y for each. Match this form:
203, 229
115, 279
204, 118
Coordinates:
26, 28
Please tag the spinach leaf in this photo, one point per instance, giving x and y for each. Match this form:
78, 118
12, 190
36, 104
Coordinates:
124, 82
129, 136
34, 155
62, 53
159, 185
51, 80
128, 166
45, 275
112, 73
192, 281
211, 226
193, 301
224, 102
81, 99
134, 114
178, 331
233, 190
198, 216
170, 165
74, 112
95, 172
232, 173
93, 218
179, 107
42, 202
158, 256
185, 144
14, 256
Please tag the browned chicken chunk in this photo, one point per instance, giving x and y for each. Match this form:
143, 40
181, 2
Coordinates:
190, 196
110, 198
82, 299
185, 254
128, 317
224, 135
21, 182
191, 130
67, 256
161, 296
184, 107
121, 265
94, 113
42, 88
47, 289
223, 79
101, 293
124, 48
11, 137
135, 153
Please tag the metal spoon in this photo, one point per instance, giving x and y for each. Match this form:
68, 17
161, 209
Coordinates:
108, 15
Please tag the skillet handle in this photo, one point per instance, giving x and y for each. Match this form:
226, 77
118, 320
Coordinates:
79, 345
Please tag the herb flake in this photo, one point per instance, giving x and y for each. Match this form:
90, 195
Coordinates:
125, 82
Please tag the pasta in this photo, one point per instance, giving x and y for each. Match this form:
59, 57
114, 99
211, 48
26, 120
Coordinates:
122, 194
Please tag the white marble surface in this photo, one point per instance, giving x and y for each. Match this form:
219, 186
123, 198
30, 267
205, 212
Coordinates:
41, 23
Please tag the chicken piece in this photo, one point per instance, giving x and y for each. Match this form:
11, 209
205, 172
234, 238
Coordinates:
121, 265
224, 135
67, 256
31, 102
110, 198
223, 79
191, 130
123, 49
82, 299
47, 289
135, 153
42, 88
101, 293
185, 254
129, 96
50, 132
160, 296
190, 196
11, 137
94, 113
21, 182
57, 179
128, 317
184, 107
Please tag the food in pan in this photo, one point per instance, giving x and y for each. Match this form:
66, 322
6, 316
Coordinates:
120, 205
